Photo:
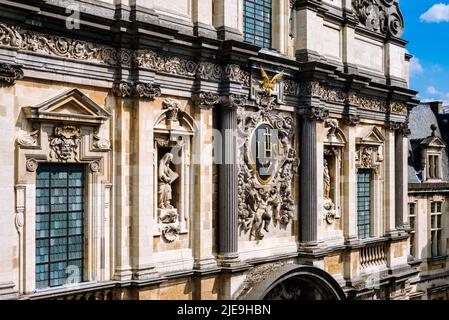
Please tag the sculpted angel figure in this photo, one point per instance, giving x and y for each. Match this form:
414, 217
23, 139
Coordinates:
166, 177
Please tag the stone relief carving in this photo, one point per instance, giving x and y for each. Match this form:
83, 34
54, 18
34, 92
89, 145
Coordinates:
139, 89
261, 203
10, 73
168, 214
28, 139
174, 107
57, 46
328, 204
206, 100
233, 72
32, 165
367, 103
64, 143
94, 166
398, 107
351, 119
101, 143
367, 157
381, 16
316, 113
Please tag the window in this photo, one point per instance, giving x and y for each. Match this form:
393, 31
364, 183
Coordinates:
433, 166
363, 203
257, 22
435, 228
59, 224
411, 217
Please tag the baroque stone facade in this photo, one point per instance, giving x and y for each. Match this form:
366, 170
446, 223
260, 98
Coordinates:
188, 154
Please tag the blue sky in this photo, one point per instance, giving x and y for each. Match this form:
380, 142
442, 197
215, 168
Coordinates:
427, 30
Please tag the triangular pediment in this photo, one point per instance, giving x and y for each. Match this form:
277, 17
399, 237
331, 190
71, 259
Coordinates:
433, 142
69, 106
371, 135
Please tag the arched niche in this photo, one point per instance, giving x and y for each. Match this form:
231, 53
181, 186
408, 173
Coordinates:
173, 133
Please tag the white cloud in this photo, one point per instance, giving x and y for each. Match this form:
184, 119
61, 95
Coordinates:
432, 90
415, 67
437, 13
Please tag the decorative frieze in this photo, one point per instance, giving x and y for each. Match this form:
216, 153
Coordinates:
381, 16
398, 107
56, 46
367, 103
10, 73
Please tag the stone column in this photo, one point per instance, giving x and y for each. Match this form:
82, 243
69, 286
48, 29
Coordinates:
401, 175
228, 172
203, 238
311, 174
389, 184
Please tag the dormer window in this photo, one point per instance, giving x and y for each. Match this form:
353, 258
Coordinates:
431, 155
433, 167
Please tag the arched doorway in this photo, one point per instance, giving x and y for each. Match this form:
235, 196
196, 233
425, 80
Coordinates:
295, 282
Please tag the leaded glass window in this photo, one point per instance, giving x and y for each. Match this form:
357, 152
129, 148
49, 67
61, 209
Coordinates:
257, 22
363, 203
59, 224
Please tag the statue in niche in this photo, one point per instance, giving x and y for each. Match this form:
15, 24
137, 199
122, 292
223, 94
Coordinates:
166, 177
328, 204
168, 214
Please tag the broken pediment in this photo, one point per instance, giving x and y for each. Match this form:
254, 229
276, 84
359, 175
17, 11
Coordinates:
370, 135
69, 106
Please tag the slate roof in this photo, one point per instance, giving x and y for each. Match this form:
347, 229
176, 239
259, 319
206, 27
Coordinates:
421, 118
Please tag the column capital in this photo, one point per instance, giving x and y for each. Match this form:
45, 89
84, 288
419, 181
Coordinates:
9, 73
351, 119
314, 113
234, 101
206, 100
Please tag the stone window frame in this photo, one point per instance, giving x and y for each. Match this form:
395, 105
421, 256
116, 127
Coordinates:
438, 229
373, 140
34, 146
413, 229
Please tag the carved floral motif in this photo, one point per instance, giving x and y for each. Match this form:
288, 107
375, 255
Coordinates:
10, 73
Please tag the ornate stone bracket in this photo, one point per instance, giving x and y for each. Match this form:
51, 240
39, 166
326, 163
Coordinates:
139, 89
206, 100
351, 119
10, 73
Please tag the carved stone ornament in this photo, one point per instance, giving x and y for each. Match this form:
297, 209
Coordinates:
28, 139
351, 119
10, 73
316, 113
143, 90
174, 107
31, 165
367, 156
171, 233
328, 204
383, 16
398, 107
263, 199
64, 143
94, 166
206, 100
